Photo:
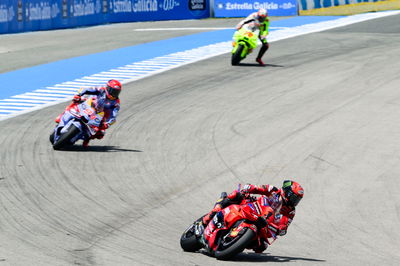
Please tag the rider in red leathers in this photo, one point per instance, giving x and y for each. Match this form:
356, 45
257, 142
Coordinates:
111, 106
283, 201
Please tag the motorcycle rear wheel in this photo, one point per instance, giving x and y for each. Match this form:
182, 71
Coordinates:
238, 244
237, 56
189, 241
65, 139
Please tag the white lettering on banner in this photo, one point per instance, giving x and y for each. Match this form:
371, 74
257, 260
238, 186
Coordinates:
257, 5
236, 6
6, 15
122, 6
127, 6
169, 5
41, 11
3, 14
266, 5
145, 5
287, 5
83, 8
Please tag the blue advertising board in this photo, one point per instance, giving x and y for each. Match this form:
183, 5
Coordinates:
30, 15
142, 10
242, 8
312, 4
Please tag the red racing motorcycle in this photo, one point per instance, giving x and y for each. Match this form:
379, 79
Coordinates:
233, 229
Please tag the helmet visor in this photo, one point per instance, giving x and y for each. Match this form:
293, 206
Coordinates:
293, 199
113, 92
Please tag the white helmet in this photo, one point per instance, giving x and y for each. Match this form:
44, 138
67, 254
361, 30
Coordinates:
262, 14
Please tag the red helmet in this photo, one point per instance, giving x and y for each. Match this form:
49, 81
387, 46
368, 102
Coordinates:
262, 14
113, 89
292, 192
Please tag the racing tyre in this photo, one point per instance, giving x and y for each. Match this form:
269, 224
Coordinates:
237, 56
229, 247
189, 241
65, 138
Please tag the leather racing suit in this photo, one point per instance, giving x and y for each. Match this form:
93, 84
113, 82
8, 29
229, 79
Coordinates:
283, 214
252, 23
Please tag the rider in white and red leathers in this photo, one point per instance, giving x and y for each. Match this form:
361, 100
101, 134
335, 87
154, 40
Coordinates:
257, 21
282, 200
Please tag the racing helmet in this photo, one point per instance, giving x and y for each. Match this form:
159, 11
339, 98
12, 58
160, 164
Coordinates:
262, 14
113, 89
292, 193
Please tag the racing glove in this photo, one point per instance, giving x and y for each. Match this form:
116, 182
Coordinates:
235, 197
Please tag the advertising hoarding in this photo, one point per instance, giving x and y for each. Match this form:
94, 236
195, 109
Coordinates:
30, 15
242, 8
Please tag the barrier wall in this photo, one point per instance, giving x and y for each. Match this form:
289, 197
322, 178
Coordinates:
31, 15
242, 8
312, 4
345, 7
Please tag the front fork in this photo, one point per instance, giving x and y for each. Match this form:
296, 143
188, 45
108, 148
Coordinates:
245, 50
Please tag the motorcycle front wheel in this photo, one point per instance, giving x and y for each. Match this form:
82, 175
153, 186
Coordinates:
65, 138
231, 246
189, 241
237, 56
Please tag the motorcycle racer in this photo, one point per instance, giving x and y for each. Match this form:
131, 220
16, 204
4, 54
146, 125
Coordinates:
110, 92
257, 21
283, 201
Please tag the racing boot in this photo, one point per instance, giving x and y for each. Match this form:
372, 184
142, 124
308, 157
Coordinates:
85, 143
258, 60
262, 51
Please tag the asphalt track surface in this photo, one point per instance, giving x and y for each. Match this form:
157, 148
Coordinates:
324, 111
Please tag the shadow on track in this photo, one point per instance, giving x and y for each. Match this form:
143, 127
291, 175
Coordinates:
95, 148
258, 65
266, 257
